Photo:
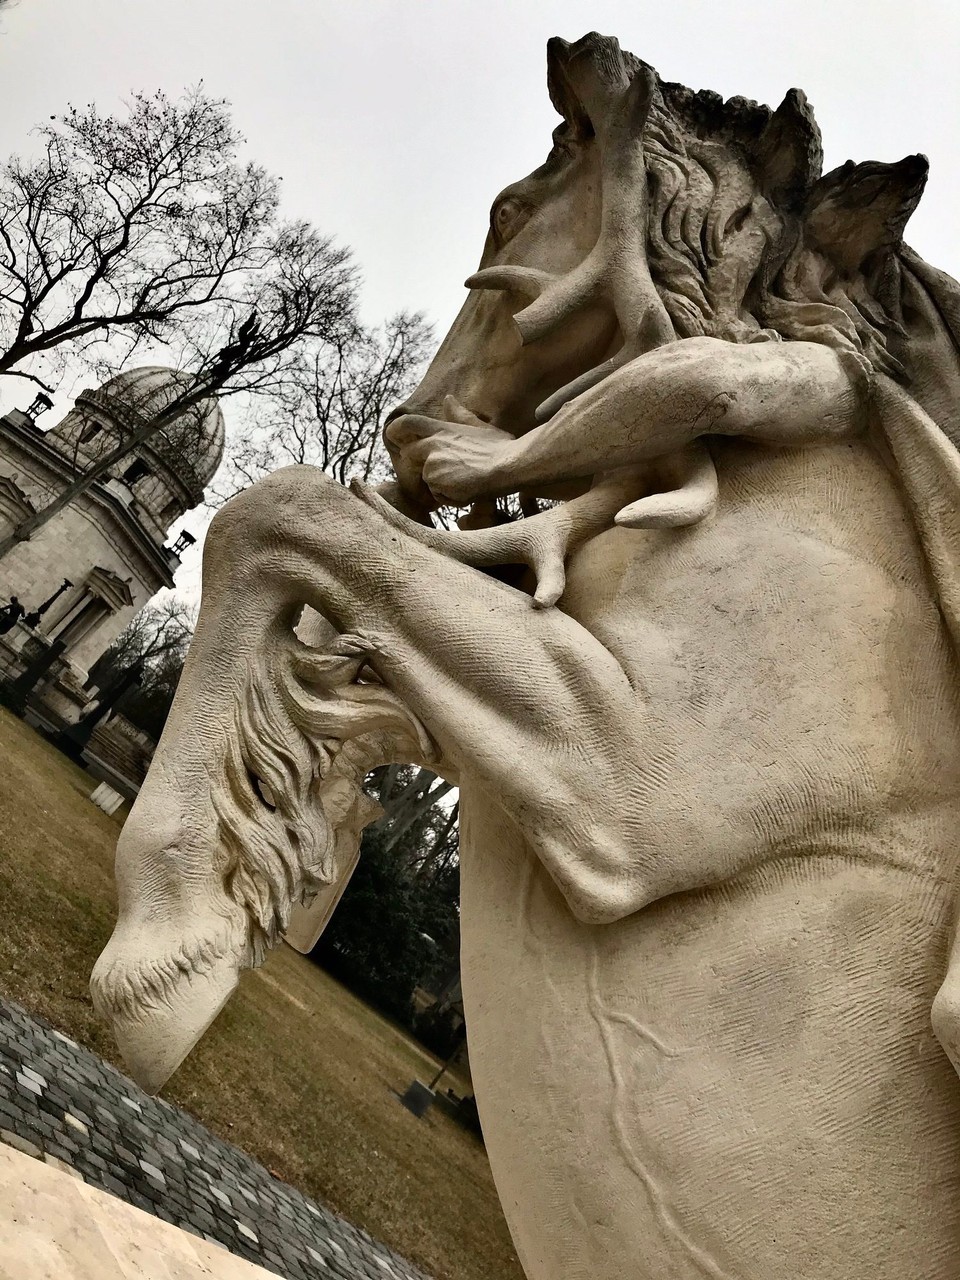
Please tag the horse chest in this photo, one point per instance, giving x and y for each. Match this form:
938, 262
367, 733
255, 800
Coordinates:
749, 1045
788, 654
764, 1036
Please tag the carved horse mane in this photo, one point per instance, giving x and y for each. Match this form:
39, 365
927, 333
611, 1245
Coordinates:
288, 799
288, 793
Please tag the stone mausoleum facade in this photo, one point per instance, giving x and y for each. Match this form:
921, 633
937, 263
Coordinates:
96, 564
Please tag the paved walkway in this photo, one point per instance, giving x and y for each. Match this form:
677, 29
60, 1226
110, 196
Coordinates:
60, 1102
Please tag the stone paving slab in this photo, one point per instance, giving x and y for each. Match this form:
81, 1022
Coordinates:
54, 1226
61, 1103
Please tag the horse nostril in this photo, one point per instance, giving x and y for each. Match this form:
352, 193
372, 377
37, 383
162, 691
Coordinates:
394, 414
430, 410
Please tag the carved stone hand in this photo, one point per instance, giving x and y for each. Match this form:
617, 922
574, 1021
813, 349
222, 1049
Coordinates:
458, 463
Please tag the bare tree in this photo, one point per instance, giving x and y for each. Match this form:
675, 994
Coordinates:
161, 627
335, 398
419, 819
407, 796
139, 673
144, 230
305, 290
124, 223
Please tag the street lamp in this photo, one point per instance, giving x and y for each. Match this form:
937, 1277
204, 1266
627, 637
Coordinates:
41, 403
184, 540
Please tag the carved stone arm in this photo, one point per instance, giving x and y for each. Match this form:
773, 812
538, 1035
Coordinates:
776, 393
781, 394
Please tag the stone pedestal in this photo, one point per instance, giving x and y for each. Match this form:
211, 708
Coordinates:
53, 1224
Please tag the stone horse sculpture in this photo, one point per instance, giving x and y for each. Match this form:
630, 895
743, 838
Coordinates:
706, 727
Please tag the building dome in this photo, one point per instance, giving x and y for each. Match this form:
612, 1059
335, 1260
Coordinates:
191, 446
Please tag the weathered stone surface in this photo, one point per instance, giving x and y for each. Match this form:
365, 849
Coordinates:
52, 1225
709, 745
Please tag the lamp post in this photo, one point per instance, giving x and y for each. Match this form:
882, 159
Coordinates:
184, 540
31, 619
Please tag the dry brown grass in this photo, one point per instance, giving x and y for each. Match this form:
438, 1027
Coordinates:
296, 1071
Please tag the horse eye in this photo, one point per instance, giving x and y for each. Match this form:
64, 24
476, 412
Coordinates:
506, 218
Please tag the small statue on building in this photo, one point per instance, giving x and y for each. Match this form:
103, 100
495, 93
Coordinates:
10, 615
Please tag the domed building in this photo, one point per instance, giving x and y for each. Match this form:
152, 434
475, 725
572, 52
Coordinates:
89, 570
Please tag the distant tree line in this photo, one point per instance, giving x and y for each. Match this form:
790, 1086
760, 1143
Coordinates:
394, 931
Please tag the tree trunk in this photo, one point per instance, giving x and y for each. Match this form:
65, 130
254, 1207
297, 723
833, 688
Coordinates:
411, 813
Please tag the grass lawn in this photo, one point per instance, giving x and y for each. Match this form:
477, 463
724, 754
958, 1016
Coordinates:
296, 1071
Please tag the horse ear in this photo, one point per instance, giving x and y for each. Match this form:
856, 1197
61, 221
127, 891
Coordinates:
860, 210
562, 94
790, 153
585, 78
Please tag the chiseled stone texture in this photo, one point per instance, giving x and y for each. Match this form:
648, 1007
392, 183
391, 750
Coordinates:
55, 1226
61, 1104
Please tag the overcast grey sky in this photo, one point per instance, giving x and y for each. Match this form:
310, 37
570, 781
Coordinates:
395, 122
